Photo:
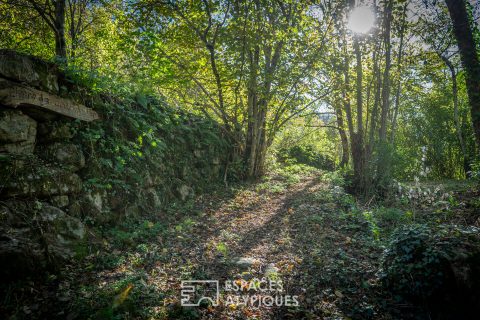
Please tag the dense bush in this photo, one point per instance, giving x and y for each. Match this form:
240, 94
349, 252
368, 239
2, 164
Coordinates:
474, 173
307, 155
437, 268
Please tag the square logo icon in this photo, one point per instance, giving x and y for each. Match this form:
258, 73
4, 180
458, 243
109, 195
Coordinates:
194, 292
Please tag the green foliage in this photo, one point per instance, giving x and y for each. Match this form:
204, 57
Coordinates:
144, 142
299, 142
381, 168
427, 145
336, 178
417, 194
129, 234
315, 219
119, 298
284, 175
381, 221
223, 249
185, 226
126, 51
390, 218
372, 223
307, 155
475, 171
271, 186
423, 262
295, 169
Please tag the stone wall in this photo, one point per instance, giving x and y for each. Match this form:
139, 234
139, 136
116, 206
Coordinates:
49, 168
38, 178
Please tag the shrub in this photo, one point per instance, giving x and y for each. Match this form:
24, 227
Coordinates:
474, 173
438, 268
420, 195
307, 155
392, 217
335, 178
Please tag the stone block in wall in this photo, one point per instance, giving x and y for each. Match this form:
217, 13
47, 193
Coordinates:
17, 148
60, 201
54, 131
184, 192
185, 172
47, 236
45, 182
67, 155
21, 257
17, 132
152, 179
93, 205
29, 70
198, 153
14, 214
95, 201
118, 199
149, 199
62, 232
42, 105
216, 170
74, 209
132, 210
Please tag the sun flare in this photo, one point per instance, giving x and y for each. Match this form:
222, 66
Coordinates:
361, 19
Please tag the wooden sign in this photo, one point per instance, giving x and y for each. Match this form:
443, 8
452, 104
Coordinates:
14, 95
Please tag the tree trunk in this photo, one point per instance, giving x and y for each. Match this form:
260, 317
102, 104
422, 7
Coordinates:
456, 118
343, 137
399, 71
384, 164
356, 139
469, 56
378, 89
259, 99
72, 28
358, 151
386, 75
255, 146
345, 92
376, 104
262, 142
251, 139
60, 44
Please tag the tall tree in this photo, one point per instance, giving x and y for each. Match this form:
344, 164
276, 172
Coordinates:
77, 15
386, 75
456, 117
53, 14
399, 71
59, 29
358, 150
248, 62
469, 56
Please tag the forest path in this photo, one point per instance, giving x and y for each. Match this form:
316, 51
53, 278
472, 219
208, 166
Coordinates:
297, 228
297, 233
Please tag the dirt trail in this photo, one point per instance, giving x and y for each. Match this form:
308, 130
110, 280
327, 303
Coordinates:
298, 236
299, 231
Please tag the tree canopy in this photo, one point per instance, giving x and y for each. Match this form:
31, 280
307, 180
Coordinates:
390, 94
